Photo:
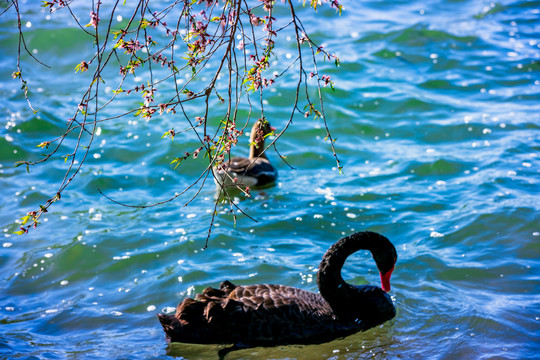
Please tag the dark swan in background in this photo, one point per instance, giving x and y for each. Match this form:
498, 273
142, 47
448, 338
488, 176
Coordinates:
253, 171
267, 315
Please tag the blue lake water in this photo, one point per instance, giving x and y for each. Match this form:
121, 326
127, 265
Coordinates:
436, 112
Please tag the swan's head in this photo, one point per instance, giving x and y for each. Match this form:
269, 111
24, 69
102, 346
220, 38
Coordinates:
385, 256
260, 130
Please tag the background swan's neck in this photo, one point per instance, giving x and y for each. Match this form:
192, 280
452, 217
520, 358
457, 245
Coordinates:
256, 139
256, 151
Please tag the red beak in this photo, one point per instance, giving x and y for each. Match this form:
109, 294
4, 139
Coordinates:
385, 280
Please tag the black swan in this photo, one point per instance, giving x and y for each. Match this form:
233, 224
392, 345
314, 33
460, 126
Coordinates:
254, 171
268, 315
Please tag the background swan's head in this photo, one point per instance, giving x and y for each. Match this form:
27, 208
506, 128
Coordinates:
260, 130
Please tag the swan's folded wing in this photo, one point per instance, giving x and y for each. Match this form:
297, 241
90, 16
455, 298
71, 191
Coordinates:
238, 165
260, 169
281, 314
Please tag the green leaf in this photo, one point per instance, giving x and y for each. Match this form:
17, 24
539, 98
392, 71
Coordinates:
19, 163
118, 43
177, 161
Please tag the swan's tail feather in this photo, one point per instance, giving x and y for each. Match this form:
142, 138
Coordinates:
201, 318
170, 324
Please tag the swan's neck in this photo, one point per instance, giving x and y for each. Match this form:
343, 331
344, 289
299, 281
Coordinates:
256, 148
331, 285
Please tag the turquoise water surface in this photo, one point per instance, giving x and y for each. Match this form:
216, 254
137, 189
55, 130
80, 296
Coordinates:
436, 112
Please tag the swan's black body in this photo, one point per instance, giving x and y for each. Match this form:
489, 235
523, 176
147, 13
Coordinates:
274, 314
